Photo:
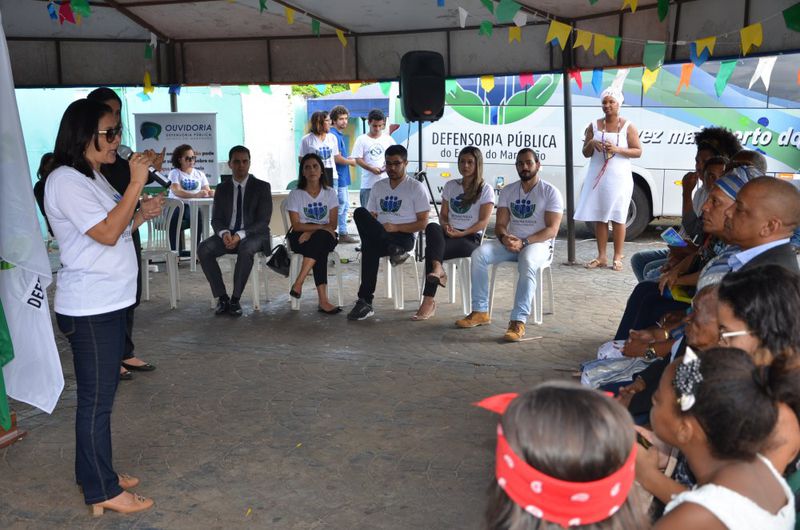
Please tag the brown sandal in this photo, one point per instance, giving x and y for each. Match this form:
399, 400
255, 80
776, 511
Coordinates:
417, 317
596, 264
617, 266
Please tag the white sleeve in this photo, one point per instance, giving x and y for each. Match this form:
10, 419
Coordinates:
305, 146
502, 200
203, 180
372, 203
292, 201
554, 202
447, 191
420, 199
175, 176
487, 194
76, 202
333, 199
333, 143
358, 149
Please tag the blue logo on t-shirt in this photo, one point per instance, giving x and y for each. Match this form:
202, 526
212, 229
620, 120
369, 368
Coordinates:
522, 208
390, 204
376, 151
190, 184
457, 205
316, 211
324, 152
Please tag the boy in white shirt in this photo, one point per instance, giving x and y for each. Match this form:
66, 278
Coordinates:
369, 153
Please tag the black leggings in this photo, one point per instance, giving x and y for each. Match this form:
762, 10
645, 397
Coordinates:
439, 247
375, 241
317, 248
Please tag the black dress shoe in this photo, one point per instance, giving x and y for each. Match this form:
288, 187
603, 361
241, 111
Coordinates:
235, 309
146, 367
222, 307
125, 376
335, 311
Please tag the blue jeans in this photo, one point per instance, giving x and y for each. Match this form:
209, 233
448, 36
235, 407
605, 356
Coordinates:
344, 203
98, 342
529, 260
645, 261
363, 197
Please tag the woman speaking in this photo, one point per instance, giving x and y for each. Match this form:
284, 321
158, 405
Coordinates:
96, 284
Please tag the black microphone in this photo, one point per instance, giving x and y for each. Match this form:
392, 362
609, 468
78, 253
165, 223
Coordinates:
126, 152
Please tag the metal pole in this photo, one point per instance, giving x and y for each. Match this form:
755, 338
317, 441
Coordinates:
570, 173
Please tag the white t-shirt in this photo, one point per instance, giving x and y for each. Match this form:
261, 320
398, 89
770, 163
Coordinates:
326, 149
372, 150
94, 278
399, 205
192, 182
460, 215
527, 209
313, 210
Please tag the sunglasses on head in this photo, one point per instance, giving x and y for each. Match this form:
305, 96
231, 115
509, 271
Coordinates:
112, 133
190, 158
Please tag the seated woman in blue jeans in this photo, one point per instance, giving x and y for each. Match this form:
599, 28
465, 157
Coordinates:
313, 212
467, 205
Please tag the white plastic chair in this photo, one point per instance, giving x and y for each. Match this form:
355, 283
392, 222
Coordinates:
537, 303
395, 280
459, 270
296, 262
158, 247
254, 279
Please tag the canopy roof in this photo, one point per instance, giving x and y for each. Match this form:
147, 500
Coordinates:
232, 42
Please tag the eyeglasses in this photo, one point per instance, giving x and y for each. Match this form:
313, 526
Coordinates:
725, 335
111, 133
394, 164
190, 158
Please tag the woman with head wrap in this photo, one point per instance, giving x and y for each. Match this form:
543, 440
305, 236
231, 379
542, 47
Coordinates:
610, 143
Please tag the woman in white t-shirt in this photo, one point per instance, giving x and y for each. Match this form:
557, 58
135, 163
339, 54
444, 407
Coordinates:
466, 208
96, 284
320, 142
313, 213
187, 182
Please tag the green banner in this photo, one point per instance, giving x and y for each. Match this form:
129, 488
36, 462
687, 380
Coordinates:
6, 354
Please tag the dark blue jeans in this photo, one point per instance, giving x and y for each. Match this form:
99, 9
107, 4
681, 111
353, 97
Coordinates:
98, 342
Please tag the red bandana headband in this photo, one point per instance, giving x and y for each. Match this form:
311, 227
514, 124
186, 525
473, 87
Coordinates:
552, 499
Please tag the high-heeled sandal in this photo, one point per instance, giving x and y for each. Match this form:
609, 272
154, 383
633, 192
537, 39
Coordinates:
440, 279
417, 317
139, 504
126, 481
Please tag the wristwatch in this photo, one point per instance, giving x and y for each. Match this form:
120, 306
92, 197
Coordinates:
650, 354
525, 242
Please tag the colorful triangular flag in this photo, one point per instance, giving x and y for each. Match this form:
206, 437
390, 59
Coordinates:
487, 82
462, 17
52, 11
726, 69
654, 52
597, 80
632, 3
148, 85
341, 37
514, 34
262, 6
289, 15
576, 75
386, 86
763, 71
81, 8
791, 16
605, 44
486, 28
506, 11
489, 5
686, 77
354, 87
583, 39
706, 44
266, 89
696, 59
521, 18
558, 31
175, 89
526, 80
649, 78
663, 9
65, 13
752, 35
315, 27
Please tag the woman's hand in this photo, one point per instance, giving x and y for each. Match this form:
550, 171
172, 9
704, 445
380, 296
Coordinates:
138, 164
305, 236
452, 232
150, 207
668, 280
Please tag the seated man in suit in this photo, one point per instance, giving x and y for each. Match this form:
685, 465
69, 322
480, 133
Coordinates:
242, 210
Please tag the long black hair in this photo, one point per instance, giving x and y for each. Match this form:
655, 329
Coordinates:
78, 127
302, 182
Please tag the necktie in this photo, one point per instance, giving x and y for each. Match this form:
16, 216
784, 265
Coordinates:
237, 225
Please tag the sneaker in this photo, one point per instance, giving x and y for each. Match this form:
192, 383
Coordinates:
474, 319
346, 238
515, 331
398, 255
360, 311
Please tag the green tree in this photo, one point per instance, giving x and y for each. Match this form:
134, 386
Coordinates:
311, 91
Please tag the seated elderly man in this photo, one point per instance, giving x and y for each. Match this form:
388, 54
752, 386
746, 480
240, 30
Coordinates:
528, 216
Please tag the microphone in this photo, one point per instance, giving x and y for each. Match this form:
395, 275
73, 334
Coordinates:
125, 152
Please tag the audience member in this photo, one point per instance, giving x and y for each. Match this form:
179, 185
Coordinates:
565, 457
325, 145
369, 153
340, 117
313, 213
241, 226
528, 217
398, 207
467, 205
187, 182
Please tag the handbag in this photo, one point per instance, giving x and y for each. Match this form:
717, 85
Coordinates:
279, 260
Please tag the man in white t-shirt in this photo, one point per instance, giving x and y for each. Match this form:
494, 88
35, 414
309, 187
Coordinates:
398, 208
369, 153
528, 216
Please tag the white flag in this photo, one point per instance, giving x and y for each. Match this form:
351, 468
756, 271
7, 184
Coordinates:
763, 71
462, 16
34, 375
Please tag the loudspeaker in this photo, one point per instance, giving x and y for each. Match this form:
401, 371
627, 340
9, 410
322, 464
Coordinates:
422, 85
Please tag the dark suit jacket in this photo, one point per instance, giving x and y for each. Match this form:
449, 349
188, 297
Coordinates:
783, 255
257, 207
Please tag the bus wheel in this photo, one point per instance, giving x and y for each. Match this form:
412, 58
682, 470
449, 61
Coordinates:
639, 214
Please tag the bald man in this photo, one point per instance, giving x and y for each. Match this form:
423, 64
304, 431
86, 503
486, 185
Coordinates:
761, 221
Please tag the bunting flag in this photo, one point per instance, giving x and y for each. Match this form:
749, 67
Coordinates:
244, 89
632, 3
697, 60
597, 80
649, 78
605, 44
706, 44
440, 3
520, 19
65, 13
266, 89
386, 86
81, 8
487, 82
321, 88
462, 17
592, 2
148, 85
558, 31
52, 11
686, 77
489, 5
289, 15
619, 80
798, 76
262, 6
576, 75
486, 28
144, 97
654, 52
752, 35
506, 11
215, 90
583, 39
526, 80
354, 87
726, 69
175, 89
514, 34
315, 27
148, 51
663, 9
791, 16
450, 86
341, 37
153, 40
763, 71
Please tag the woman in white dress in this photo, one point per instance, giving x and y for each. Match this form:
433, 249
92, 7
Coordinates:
610, 142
